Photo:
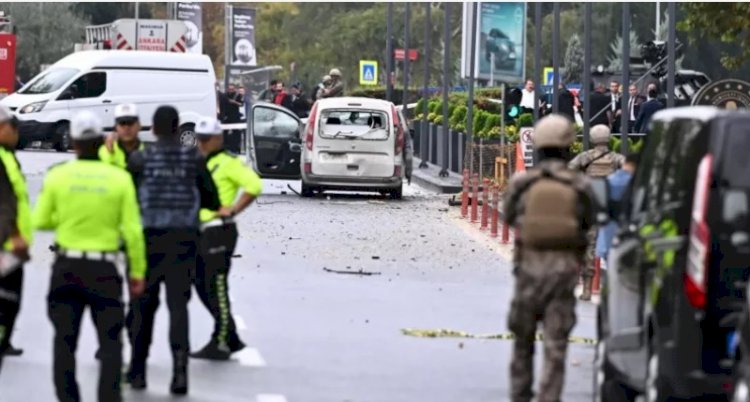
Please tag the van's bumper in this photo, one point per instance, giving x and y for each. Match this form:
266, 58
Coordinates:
32, 130
348, 182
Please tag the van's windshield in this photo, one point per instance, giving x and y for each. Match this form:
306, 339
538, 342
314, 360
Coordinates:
49, 81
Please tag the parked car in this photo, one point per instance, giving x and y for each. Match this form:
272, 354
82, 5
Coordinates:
354, 144
678, 268
99, 80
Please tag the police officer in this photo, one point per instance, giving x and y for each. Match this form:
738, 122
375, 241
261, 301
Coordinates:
550, 206
597, 162
19, 237
88, 235
219, 237
119, 146
173, 183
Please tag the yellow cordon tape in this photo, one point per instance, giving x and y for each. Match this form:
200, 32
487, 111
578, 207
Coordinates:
449, 333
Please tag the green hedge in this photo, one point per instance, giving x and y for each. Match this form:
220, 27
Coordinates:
380, 92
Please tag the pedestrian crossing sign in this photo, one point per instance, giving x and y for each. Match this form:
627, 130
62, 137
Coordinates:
368, 72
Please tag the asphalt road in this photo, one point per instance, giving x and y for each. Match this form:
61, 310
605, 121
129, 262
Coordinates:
318, 336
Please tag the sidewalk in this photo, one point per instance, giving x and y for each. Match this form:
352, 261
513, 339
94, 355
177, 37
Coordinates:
429, 177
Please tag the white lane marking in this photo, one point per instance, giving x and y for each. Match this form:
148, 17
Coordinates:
249, 357
270, 398
240, 323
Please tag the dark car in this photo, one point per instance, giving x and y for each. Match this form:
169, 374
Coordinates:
502, 47
678, 266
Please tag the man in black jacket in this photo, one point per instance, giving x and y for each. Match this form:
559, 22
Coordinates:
173, 183
566, 103
300, 104
647, 111
600, 102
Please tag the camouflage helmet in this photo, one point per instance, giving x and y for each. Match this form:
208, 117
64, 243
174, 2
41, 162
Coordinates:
335, 72
554, 131
326, 78
599, 134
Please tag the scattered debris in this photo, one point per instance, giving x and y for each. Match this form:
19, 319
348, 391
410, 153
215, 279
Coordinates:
375, 257
460, 345
289, 186
237, 256
449, 333
360, 272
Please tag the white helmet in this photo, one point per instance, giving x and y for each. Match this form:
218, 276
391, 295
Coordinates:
126, 111
85, 126
208, 126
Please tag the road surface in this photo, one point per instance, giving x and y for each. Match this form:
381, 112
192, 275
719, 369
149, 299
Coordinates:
318, 336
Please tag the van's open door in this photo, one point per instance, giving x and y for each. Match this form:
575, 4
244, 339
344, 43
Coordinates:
274, 143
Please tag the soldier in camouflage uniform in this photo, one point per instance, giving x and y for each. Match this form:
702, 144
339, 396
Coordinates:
597, 162
545, 277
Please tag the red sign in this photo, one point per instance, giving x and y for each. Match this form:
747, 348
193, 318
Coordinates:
7, 64
398, 54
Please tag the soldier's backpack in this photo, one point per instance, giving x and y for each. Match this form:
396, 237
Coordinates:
552, 212
601, 165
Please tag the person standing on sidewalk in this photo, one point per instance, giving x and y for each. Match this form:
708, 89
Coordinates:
18, 237
173, 184
91, 206
219, 237
597, 162
551, 208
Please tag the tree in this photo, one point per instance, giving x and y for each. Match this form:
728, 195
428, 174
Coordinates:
46, 33
615, 59
573, 60
726, 22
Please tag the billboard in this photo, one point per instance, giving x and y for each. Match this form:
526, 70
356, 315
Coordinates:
501, 41
191, 14
243, 37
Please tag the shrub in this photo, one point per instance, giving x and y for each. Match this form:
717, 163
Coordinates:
458, 117
526, 120
480, 117
576, 148
511, 134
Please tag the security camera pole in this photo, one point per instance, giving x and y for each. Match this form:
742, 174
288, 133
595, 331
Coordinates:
446, 77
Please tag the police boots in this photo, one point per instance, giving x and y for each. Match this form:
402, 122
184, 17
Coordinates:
587, 285
180, 375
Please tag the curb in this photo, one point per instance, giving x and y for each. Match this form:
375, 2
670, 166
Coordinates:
429, 178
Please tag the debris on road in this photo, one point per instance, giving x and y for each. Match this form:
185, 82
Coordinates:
449, 333
360, 272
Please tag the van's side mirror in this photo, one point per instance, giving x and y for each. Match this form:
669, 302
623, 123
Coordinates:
600, 193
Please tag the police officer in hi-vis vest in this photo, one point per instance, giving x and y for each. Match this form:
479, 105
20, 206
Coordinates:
238, 187
17, 240
124, 141
92, 207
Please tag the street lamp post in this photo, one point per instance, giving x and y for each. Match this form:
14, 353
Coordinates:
405, 97
537, 56
671, 39
389, 53
472, 74
556, 58
624, 97
446, 78
423, 136
586, 74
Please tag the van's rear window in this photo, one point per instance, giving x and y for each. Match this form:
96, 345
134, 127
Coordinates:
736, 164
354, 124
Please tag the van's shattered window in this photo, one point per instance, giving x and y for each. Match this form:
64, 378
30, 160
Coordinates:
354, 124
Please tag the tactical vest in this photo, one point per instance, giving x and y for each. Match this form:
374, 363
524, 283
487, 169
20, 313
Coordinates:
168, 194
23, 208
601, 164
552, 211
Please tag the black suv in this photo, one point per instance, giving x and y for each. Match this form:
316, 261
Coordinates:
679, 264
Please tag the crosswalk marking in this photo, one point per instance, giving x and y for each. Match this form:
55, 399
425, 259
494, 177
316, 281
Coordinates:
249, 357
271, 398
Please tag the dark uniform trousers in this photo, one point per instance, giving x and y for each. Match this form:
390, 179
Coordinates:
216, 247
171, 257
10, 303
76, 283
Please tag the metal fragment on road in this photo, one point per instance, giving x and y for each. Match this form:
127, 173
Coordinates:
360, 272
449, 333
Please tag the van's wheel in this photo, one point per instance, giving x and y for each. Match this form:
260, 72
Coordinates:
22, 143
606, 389
187, 135
656, 390
62, 137
397, 193
307, 191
